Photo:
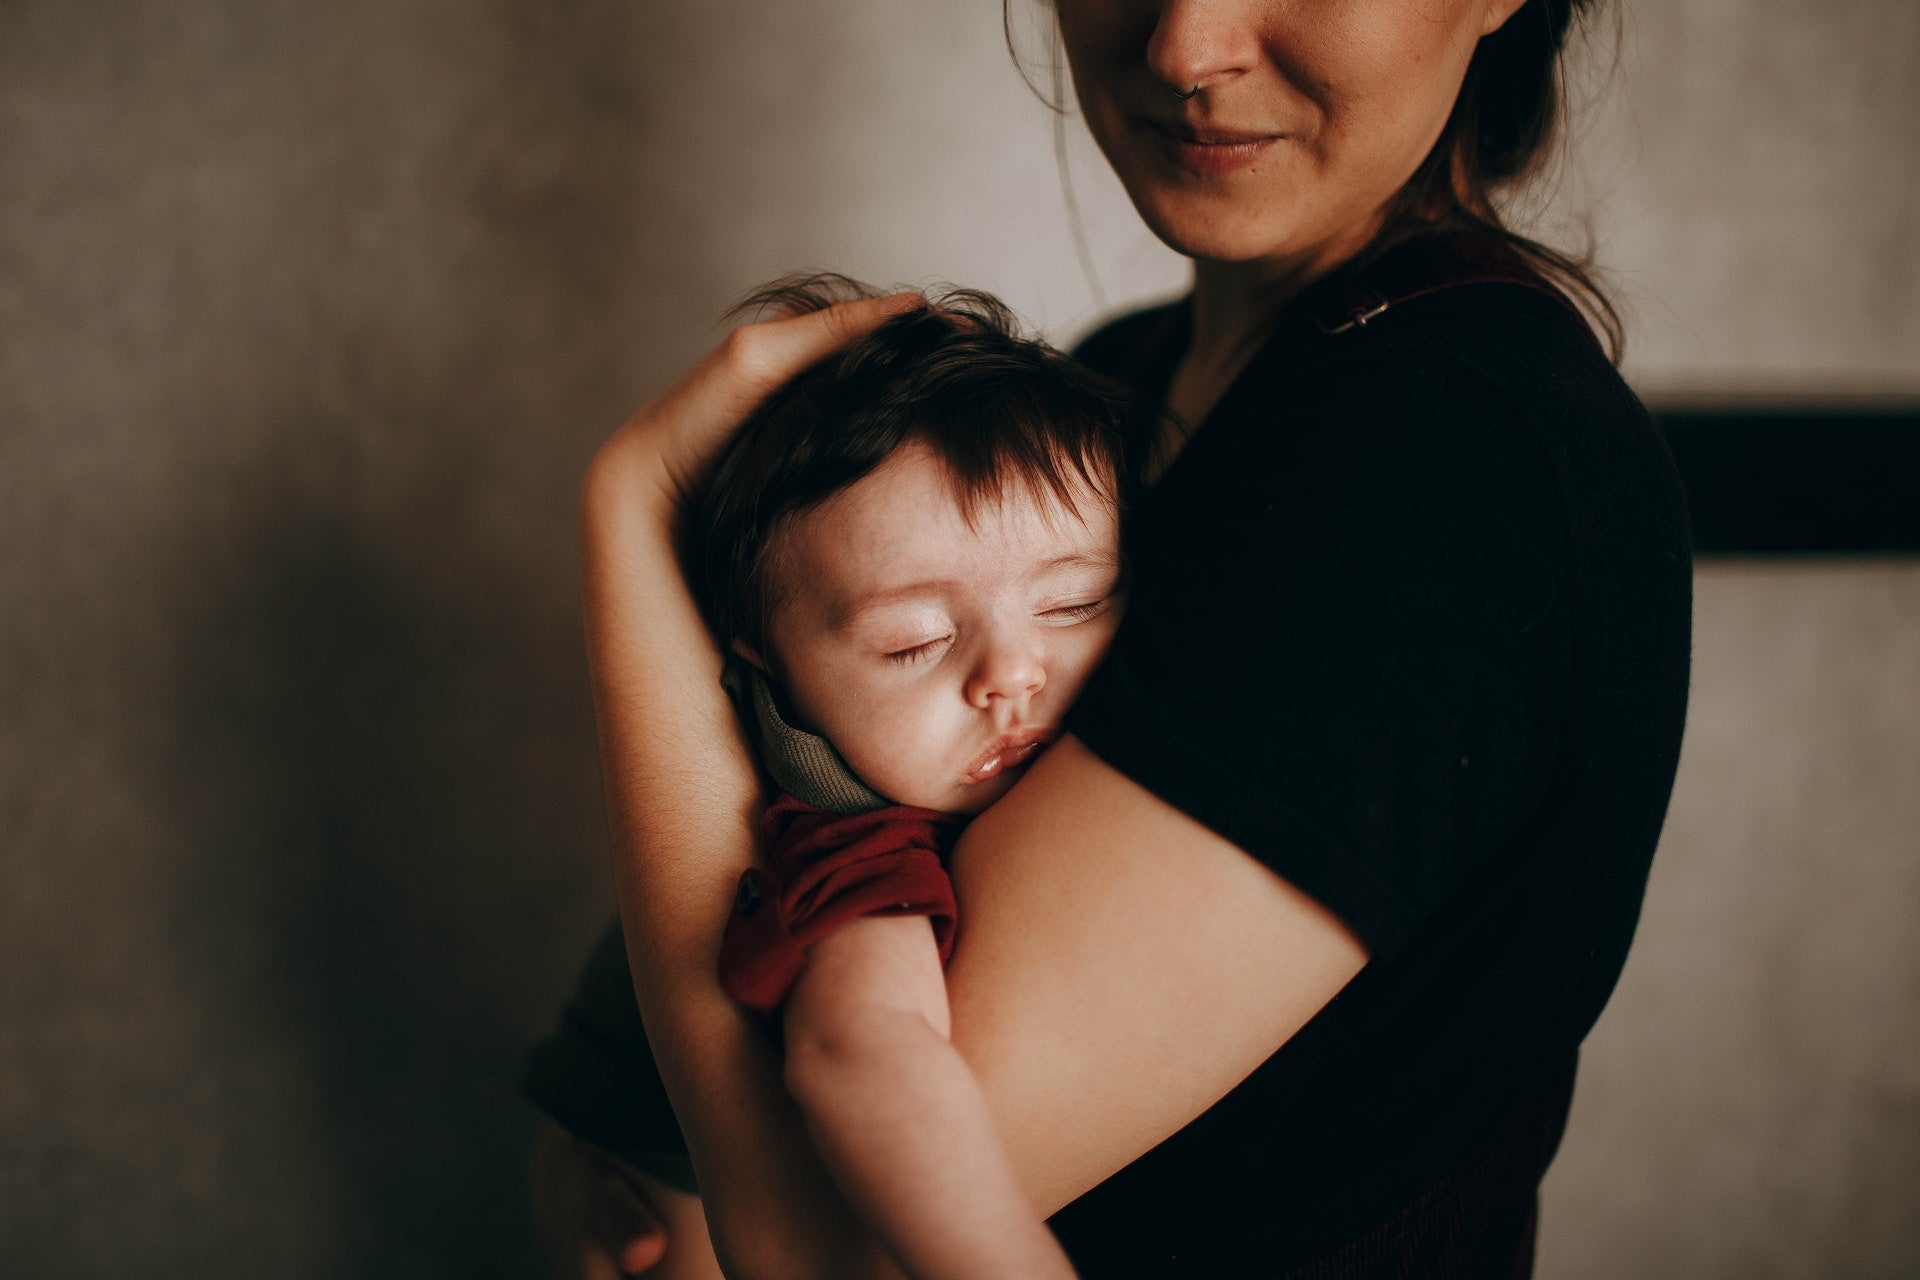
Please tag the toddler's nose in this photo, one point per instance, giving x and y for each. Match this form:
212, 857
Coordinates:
1009, 671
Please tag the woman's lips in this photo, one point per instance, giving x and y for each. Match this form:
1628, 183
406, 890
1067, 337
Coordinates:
1208, 151
1009, 751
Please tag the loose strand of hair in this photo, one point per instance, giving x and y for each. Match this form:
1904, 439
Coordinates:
1063, 166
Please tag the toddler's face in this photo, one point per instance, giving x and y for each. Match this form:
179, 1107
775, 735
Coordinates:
936, 658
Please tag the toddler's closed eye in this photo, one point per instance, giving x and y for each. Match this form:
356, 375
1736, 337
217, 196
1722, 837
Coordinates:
1074, 612
919, 652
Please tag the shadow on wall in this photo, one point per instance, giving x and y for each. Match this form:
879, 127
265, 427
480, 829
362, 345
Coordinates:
384, 278
406, 776
395, 671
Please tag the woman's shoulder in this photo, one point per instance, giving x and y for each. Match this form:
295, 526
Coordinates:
1453, 357
1520, 341
1503, 323
1459, 304
1478, 368
1525, 357
1496, 365
1488, 399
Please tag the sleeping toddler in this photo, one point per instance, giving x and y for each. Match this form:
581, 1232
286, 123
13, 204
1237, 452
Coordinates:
913, 554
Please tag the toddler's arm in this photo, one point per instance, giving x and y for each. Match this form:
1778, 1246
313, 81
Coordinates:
897, 1116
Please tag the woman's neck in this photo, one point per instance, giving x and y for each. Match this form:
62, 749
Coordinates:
1235, 307
1235, 304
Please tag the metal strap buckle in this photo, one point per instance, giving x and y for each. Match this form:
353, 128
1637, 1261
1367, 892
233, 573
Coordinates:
1357, 312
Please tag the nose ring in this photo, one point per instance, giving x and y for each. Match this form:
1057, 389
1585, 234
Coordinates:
1184, 96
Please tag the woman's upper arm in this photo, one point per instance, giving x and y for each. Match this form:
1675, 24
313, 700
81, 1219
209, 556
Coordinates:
1120, 967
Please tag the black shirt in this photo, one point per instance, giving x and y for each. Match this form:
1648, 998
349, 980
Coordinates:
1409, 624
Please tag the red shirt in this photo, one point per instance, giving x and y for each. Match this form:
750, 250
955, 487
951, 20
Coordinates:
824, 869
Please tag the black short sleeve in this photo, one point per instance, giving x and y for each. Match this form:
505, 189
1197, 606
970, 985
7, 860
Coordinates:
1343, 642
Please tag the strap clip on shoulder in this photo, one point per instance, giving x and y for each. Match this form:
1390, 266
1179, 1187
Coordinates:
1350, 310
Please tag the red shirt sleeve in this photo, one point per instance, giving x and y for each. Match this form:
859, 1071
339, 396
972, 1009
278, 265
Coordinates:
824, 869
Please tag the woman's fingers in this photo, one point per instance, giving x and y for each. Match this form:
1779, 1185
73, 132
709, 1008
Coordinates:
627, 1228
595, 1222
757, 359
676, 434
761, 356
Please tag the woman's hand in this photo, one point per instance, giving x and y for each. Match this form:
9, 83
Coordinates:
601, 1219
659, 455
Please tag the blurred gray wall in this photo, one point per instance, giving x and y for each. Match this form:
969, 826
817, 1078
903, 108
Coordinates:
310, 316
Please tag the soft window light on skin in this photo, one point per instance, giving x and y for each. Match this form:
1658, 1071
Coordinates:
939, 656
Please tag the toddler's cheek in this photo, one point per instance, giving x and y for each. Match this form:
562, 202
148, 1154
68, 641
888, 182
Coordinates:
892, 762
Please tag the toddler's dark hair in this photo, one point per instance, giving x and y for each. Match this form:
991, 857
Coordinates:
993, 405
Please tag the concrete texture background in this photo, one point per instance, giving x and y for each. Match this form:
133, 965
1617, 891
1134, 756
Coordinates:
309, 317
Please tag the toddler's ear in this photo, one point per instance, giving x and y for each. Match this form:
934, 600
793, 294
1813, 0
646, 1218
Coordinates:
751, 654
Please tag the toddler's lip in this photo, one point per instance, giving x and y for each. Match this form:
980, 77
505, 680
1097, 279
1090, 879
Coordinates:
1009, 751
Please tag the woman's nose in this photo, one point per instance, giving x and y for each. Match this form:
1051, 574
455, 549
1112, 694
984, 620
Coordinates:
1012, 669
1200, 43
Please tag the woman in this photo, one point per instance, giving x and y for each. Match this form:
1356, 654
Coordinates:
1278, 962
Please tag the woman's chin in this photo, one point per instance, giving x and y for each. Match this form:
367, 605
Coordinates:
1210, 227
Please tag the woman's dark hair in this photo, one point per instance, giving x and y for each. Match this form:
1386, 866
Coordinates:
995, 407
1499, 136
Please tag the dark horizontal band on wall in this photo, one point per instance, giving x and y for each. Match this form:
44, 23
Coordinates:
1801, 481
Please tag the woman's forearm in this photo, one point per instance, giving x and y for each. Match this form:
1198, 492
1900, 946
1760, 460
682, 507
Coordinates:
681, 791
682, 794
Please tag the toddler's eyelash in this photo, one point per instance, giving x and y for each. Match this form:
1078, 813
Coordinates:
907, 657
921, 652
